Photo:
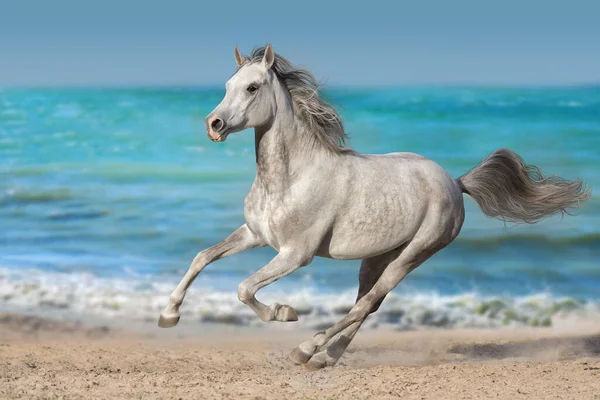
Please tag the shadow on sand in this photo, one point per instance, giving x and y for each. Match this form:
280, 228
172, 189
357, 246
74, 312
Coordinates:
563, 348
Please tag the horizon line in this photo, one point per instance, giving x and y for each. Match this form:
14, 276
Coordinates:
324, 85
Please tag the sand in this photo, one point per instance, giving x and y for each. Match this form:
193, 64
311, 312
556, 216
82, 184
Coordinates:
44, 358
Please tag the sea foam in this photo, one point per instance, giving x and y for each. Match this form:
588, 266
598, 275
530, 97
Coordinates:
144, 298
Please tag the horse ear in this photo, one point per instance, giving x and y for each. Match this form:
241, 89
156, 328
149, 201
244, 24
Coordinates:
239, 58
269, 57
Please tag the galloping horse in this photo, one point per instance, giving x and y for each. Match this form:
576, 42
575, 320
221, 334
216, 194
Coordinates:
313, 196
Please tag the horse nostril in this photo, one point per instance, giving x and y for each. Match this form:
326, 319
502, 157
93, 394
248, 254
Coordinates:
217, 124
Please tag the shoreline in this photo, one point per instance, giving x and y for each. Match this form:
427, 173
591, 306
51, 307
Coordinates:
83, 295
47, 358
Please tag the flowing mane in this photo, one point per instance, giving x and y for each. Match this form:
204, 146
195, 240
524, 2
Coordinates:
322, 119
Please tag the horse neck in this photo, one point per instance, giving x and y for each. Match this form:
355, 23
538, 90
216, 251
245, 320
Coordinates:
285, 149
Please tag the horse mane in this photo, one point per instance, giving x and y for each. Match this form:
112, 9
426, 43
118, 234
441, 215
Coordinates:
322, 119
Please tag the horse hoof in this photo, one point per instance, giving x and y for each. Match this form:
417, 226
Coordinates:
286, 314
317, 362
168, 321
299, 357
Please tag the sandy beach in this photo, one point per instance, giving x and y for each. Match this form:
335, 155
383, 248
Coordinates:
46, 358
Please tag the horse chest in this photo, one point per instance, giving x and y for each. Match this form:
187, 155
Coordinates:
259, 210
280, 213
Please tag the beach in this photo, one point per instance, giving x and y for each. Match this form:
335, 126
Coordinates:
43, 358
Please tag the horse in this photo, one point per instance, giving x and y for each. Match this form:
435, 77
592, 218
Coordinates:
314, 196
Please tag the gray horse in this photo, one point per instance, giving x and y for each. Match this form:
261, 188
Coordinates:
313, 196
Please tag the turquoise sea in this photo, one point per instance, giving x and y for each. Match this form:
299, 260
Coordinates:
106, 195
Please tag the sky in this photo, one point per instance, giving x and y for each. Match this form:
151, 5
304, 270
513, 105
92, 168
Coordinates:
66, 42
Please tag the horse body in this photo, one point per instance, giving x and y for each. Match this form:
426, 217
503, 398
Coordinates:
389, 199
352, 206
314, 197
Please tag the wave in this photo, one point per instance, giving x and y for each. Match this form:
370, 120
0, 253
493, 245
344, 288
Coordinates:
591, 238
133, 172
36, 196
571, 104
144, 298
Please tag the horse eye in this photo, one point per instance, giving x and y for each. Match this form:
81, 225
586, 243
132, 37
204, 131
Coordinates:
252, 89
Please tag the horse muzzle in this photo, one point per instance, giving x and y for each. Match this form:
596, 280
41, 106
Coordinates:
216, 129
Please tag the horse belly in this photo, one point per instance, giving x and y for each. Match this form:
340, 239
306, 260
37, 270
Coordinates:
357, 250
363, 238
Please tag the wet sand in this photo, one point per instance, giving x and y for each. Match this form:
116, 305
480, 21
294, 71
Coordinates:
45, 358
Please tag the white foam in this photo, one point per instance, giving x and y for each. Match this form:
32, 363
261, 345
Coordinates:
570, 104
144, 298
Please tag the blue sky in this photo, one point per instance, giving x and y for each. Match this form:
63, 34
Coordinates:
135, 42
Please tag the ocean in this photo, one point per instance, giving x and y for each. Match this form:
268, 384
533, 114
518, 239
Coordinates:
106, 195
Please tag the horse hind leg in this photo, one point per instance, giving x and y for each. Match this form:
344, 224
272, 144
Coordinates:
422, 246
370, 272
333, 350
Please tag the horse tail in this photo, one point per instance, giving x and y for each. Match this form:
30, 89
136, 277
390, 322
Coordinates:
507, 188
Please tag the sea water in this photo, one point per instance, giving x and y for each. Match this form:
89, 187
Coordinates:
106, 195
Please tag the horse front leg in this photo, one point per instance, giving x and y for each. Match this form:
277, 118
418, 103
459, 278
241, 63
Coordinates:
282, 265
241, 239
